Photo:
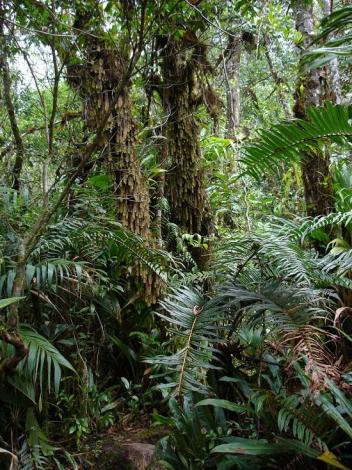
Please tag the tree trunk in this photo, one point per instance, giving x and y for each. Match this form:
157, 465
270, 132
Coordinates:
311, 91
10, 334
181, 96
333, 67
96, 79
232, 65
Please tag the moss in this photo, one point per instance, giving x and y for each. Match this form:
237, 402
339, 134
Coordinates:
150, 435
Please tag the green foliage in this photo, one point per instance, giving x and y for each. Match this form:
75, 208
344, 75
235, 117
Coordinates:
261, 447
251, 354
41, 368
285, 142
336, 32
194, 320
43, 355
6, 302
195, 430
281, 393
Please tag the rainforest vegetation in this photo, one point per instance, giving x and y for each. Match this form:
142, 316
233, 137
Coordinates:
176, 234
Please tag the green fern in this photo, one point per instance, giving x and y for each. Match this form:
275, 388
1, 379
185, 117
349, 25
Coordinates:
192, 320
287, 141
298, 416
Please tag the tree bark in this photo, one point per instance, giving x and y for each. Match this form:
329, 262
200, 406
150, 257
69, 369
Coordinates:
333, 67
311, 91
181, 95
10, 334
96, 80
232, 66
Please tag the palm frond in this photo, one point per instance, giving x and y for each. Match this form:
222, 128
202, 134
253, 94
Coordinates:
276, 252
285, 142
338, 25
335, 414
43, 364
300, 231
97, 242
338, 20
283, 307
273, 252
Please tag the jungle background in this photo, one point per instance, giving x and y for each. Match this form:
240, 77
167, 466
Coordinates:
176, 233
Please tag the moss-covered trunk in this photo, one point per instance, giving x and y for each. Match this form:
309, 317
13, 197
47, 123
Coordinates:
96, 79
183, 61
311, 90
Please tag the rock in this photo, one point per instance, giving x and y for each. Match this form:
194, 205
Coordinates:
122, 454
140, 455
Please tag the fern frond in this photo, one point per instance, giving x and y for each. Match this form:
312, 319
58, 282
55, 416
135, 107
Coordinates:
193, 321
283, 307
298, 416
285, 142
307, 226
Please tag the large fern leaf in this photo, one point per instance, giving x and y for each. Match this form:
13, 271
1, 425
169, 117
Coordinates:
193, 321
285, 142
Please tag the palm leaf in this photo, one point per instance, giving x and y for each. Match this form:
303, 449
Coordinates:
337, 413
44, 362
6, 302
224, 404
300, 231
285, 142
336, 24
244, 446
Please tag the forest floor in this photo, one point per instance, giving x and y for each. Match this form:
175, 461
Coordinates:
130, 448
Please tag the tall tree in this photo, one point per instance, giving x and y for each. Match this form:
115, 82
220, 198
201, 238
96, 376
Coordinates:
232, 66
183, 63
96, 77
311, 90
333, 66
